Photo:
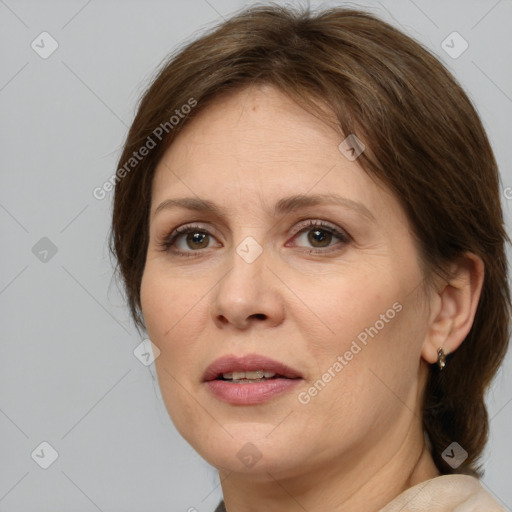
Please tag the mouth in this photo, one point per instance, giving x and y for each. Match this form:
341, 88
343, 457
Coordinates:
248, 368
249, 380
248, 377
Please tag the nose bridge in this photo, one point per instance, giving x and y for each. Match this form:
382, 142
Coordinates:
244, 291
243, 282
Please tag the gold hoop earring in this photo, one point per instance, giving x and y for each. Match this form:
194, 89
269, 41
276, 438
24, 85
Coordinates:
441, 358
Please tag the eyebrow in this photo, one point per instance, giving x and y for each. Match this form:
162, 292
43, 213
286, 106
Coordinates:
282, 207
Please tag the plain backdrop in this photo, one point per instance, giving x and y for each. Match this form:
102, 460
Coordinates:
68, 373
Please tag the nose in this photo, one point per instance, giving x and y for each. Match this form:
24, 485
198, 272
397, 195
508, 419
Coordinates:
249, 293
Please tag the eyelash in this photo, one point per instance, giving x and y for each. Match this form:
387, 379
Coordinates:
170, 239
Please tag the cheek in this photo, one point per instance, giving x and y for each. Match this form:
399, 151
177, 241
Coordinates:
369, 347
170, 322
170, 308
345, 306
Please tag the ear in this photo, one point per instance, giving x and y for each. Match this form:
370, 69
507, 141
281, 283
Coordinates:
453, 306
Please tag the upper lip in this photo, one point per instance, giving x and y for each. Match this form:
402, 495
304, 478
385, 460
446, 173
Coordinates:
248, 362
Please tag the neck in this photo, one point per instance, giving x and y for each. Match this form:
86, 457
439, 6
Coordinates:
347, 487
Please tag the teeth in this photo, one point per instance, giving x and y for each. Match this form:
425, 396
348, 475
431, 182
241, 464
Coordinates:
258, 374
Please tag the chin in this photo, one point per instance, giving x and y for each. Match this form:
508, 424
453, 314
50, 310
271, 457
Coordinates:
250, 451
259, 465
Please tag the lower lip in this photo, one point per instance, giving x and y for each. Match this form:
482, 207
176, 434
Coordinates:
250, 393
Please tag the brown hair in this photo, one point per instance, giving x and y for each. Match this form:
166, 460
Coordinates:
424, 141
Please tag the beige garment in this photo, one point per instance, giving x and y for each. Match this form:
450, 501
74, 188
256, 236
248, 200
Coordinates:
445, 493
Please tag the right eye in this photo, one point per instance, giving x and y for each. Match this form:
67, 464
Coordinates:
187, 239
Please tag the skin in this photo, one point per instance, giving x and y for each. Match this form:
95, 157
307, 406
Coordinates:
359, 442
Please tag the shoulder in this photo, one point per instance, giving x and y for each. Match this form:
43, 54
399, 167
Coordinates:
446, 493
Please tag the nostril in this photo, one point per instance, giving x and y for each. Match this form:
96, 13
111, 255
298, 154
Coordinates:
259, 316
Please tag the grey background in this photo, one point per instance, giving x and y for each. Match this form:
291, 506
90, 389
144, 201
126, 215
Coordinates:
68, 375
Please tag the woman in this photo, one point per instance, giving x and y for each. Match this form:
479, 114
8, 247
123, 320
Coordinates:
308, 225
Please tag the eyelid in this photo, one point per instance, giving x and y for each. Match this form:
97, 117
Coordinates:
310, 223
169, 238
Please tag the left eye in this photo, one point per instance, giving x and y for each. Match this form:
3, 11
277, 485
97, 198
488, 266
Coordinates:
317, 237
320, 236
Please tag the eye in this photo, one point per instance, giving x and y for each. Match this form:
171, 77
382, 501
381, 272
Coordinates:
196, 238
190, 240
320, 235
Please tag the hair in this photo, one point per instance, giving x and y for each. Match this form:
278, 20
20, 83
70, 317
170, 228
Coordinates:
424, 141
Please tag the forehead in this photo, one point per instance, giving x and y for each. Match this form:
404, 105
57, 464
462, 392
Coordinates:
258, 121
255, 146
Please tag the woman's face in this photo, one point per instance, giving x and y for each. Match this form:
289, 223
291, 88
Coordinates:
331, 287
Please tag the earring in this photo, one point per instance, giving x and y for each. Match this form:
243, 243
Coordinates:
441, 358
